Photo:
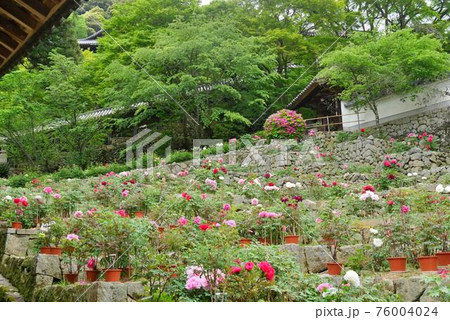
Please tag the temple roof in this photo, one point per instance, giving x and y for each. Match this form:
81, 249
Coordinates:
24, 22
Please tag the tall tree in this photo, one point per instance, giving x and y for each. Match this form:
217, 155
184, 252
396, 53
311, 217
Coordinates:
370, 68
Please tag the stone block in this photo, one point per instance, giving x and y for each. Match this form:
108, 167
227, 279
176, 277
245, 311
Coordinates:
346, 251
410, 289
48, 265
16, 245
135, 290
317, 258
108, 292
42, 280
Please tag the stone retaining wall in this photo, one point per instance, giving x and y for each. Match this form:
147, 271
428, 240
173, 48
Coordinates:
434, 121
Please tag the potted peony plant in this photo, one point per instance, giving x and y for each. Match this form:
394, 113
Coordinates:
443, 221
398, 233
71, 257
334, 228
428, 241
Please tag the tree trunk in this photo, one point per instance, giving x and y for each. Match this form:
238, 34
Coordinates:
374, 109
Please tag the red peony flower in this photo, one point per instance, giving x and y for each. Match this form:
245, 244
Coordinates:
390, 203
103, 183
204, 227
271, 184
184, 194
267, 268
391, 177
235, 270
267, 175
363, 130
25, 203
368, 188
215, 171
188, 197
132, 181
16, 200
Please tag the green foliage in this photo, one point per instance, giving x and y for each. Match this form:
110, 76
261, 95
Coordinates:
4, 170
180, 156
4, 297
343, 136
372, 67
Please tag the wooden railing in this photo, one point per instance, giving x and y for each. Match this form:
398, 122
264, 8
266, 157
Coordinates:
329, 123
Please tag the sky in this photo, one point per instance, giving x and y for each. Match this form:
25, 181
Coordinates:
206, 1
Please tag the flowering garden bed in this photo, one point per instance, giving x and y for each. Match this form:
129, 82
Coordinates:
220, 232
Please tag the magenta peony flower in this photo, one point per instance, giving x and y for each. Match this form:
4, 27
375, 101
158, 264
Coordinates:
226, 207
91, 263
249, 266
405, 209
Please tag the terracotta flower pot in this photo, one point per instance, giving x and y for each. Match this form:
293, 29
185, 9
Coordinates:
92, 275
56, 251
428, 263
397, 264
245, 242
264, 241
71, 277
443, 258
46, 250
293, 239
334, 269
139, 214
17, 225
113, 275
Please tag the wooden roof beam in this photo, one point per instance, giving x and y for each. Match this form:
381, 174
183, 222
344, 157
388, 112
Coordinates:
36, 7
18, 15
4, 52
7, 41
12, 29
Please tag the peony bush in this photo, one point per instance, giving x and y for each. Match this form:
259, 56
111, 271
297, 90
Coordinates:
285, 124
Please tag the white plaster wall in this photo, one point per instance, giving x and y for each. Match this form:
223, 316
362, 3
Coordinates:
392, 107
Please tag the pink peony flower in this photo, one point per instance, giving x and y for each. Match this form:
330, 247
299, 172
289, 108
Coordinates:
204, 196
226, 207
230, 223
321, 287
241, 181
125, 193
255, 202
78, 214
72, 237
182, 221
57, 196
318, 220
197, 220
48, 190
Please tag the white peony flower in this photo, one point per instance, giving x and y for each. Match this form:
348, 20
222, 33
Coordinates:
424, 178
8, 198
289, 185
440, 188
409, 174
298, 185
373, 231
352, 278
447, 189
414, 173
375, 197
377, 242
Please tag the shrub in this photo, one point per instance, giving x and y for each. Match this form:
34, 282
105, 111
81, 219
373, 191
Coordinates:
285, 124
18, 181
4, 170
69, 173
180, 156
